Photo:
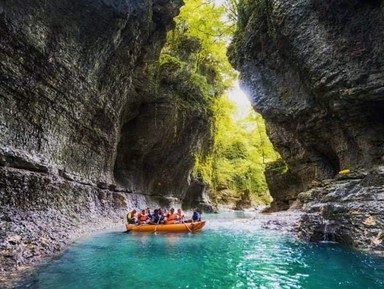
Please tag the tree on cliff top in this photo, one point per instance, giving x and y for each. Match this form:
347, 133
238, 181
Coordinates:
200, 38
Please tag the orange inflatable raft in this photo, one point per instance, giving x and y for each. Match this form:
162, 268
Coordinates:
183, 227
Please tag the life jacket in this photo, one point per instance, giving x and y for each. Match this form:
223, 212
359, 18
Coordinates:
171, 218
130, 216
143, 217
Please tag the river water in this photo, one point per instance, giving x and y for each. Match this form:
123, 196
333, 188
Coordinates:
229, 253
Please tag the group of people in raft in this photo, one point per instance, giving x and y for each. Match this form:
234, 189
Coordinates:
161, 216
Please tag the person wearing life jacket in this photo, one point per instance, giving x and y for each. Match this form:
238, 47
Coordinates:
155, 219
164, 215
161, 216
131, 217
142, 217
180, 216
172, 217
196, 216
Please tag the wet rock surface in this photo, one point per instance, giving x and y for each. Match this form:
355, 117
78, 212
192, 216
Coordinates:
314, 70
348, 211
44, 213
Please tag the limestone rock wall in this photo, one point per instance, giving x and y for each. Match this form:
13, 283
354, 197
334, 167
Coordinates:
283, 185
314, 70
67, 73
88, 128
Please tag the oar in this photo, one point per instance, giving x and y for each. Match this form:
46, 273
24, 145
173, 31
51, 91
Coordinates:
187, 227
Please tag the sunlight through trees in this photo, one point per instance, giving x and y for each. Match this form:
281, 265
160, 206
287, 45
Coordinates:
240, 149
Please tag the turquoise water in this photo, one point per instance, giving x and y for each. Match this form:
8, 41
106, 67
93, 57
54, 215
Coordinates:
228, 253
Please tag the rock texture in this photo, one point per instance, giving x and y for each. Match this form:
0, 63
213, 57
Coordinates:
198, 197
314, 69
89, 126
348, 210
283, 185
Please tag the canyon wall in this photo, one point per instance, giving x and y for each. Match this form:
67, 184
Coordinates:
314, 70
89, 125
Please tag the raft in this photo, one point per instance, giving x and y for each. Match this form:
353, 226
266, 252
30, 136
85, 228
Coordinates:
183, 227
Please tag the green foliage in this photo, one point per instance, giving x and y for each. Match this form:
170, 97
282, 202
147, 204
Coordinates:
194, 65
279, 166
254, 21
200, 39
188, 87
240, 153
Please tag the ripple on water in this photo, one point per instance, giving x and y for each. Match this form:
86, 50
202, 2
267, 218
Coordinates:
228, 253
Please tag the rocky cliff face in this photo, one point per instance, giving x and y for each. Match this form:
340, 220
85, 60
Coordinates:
314, 69
87, 128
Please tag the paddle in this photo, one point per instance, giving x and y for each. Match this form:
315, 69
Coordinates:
190, 231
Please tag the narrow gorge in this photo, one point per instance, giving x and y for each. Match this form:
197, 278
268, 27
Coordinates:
94, 122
